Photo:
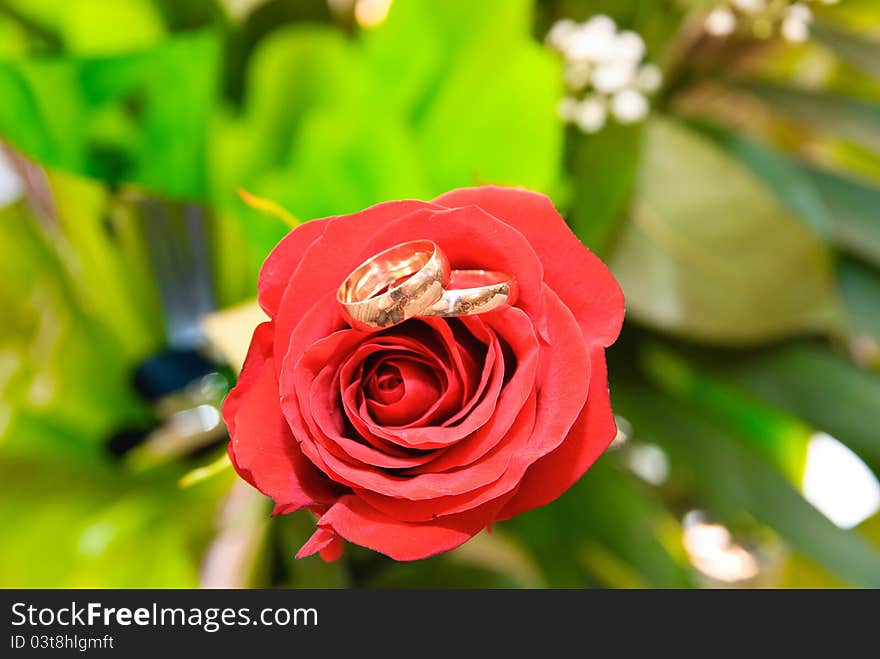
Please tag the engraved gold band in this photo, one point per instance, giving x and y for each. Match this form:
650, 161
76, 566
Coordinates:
394, 285
473, 292
413, 279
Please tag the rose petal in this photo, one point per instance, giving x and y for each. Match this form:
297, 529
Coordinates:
282, 261
296, 385
514, 329
357, 522
350, 378
262, 447
328, 429
259, 350
434, 437
499, 458
582, 281
320, 320
421, 389
593, 432
563, 383
479, 408
309, 395
325, 541
440, 356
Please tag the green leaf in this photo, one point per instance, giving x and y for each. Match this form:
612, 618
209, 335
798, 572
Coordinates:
820, 387
306, 139
800, 572
710, 254
332, 125
489, 560
861, 52
603, 168
501, 552
852, 210
860, 290
117, 118
492, 116
373, 159
786, 178
779, 438
438, 572
86, 527
106, 27
290, 532
607, 516
839, 209
51, 343
107, 266
732, 479
852, 119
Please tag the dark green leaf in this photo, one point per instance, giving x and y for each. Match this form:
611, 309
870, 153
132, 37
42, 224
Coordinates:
841, 210
603, 168
610, 510
733, 479
859, 51
438, 572
291, 532
783, 176
860, 290
710, 253
853, 211
779, 438
820, 387
852, 119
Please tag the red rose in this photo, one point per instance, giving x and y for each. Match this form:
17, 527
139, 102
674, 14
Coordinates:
412, 439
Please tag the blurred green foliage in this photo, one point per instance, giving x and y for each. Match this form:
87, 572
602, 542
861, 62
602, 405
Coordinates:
740, 217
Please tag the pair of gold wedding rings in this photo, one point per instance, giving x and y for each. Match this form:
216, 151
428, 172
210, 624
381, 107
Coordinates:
414, 279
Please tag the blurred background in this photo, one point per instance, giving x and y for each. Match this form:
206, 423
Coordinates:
723, 156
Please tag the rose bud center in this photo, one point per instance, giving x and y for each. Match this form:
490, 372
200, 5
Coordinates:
400, 390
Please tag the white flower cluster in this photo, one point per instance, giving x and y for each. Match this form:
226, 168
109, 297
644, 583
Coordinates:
604, 73
765, 17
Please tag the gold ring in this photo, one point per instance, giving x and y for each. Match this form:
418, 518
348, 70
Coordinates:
394, 285
472, 292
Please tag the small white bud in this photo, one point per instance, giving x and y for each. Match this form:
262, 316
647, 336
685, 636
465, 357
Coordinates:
577, 74
590, 114
750, 6
610, 77
800, 12
560, 34
720, 22
629, 46
601, 23
590, 43
629, 106
649, 78
795, 30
